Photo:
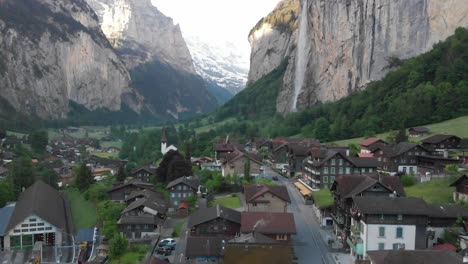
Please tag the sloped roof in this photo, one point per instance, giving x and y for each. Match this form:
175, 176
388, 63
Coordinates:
42, 200
145, 168
85, 235
207, 214
452, 211
204, 247
193, 183
367, 162
391, 205
299, 149
254, 191
268, 223
232, 157
143, 185
437, 138
414, 257
144, 193
419, 129
152, 202
5, 216
370, 141
139, 219
349, 185
464, 177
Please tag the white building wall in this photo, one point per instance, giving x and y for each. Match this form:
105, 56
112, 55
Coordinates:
439, 233
371, 237
40, 226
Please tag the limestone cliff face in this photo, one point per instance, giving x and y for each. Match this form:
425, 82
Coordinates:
52, 52
340, 46
141, 33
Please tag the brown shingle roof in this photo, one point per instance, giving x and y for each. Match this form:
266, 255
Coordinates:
437, 138
208, 214
370, 141
349, 185
414, 257
191, 182
204, 247
391, 205
42, 200
268, 223
254, 191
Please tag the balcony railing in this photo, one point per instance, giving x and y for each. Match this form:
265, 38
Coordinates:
339, 219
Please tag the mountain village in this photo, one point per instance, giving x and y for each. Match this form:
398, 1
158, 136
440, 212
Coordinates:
281, 199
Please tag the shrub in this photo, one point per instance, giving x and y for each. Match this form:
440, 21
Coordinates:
408, 180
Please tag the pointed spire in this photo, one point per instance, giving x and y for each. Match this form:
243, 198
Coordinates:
163, 136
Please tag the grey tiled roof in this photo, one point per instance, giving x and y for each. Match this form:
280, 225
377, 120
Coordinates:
208, 214
42, 200
5, 215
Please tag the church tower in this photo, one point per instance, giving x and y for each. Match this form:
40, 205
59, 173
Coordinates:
163, 141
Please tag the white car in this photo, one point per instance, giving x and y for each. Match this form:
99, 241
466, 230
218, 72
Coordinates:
168, 242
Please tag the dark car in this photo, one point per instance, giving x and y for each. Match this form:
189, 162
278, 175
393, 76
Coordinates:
275, 178
168, 242
164, 250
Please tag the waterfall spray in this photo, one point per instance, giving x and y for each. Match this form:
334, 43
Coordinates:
301, 55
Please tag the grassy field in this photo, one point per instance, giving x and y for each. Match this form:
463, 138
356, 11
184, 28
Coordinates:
323, 198
457, 126
106, 155
228, 201
83, 211
437, 191
134, 255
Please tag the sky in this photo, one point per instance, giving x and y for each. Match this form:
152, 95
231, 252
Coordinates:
216, 21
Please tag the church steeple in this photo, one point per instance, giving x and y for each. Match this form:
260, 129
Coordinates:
163, 136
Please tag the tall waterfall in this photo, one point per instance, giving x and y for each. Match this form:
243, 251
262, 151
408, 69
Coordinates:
301, 55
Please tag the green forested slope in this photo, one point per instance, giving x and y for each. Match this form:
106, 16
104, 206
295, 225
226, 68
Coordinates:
430, 88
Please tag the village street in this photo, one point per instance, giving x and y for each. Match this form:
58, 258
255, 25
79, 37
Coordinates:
309, 246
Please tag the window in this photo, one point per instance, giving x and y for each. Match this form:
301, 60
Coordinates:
399, 232
417, 153
332, 170
398, 246
24, 225
254, 204
32, 229
332, 179
281, 237
340, 170
24, 230
32, 219
48, 228
32, 224
348, 170
129, 227
16, 231
363, 170
381, 246
381, 231
371, 169
173, 195
176, 203
325, 179
333, 162
325, 170
40, 224
40, 229
400, 217
403, 160
340, 162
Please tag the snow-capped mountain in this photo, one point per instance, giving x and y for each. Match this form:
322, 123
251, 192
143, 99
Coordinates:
219, 63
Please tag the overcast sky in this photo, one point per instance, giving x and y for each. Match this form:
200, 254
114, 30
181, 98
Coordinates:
217, 20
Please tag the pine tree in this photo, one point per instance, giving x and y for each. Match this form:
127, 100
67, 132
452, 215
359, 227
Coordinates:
84, 177
247, 171
121, 175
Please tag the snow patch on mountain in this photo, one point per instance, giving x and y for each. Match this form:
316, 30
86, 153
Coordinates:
220, 63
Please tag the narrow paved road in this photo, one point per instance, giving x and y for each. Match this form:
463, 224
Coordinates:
308, 243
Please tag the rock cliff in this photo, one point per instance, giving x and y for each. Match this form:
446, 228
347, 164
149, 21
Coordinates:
157, 56
340, 46
141, 33
53, 52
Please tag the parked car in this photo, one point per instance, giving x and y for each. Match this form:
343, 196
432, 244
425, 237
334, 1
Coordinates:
164, 250
169, 242
275, 178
